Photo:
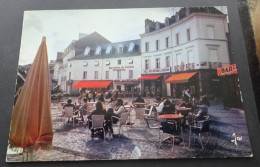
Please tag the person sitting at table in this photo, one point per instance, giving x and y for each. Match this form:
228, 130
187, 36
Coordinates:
186, 104
69, 104
161, 105
203, 110
119, 108
101, 98
108, 118
84, 108
139, 99
168, 108
98, 111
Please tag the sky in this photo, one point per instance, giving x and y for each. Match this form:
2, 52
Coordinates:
61, 27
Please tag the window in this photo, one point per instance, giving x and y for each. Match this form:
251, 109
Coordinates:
107, 74
96, 75
157, 63
87, 51
130, 74
130, 61
118, 62
157, 45
118, 74
96, 63
190, 57
147, 64
107, 62
120, 49
85, 74
167, 61
177, 39
131, 47
98, 51
85, 64
213, 55
167, 42
70, 65
188, 34
109, 50
147, 46
210, 30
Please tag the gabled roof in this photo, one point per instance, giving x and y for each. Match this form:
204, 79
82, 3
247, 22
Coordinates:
92, 40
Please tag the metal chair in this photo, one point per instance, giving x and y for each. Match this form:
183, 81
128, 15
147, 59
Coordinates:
199, 128
69, 113
152, 113
150, 127
122, 121
98, 123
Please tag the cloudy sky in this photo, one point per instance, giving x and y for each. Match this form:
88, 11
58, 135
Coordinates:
62, 26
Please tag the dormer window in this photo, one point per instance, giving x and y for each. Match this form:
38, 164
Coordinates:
87, 51
120, 49
131, 47
130, 61
109, 49
96, 63
85, 64
98, 51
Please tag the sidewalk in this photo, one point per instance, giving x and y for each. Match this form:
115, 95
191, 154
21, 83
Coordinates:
74, 143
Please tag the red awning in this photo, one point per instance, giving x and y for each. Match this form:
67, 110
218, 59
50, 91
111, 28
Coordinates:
149, 77
180, 78
92, 84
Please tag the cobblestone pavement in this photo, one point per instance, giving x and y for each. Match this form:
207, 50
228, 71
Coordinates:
74, 143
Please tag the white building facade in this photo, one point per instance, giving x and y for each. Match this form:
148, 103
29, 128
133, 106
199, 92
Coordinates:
194, 40
116, 62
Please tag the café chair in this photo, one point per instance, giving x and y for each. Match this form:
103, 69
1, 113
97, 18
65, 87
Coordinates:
176, 132
69, 113
152, 127
152, 113
199, 128
98, 123
122, 121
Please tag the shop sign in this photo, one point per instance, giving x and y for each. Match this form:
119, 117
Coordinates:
227, 70
159, 70
125, 81
120, 68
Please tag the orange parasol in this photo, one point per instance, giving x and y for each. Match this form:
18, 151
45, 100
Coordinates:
31, 119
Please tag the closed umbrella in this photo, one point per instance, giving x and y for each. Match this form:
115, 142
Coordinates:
31, 119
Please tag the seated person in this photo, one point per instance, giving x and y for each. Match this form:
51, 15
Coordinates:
101, 98
168, 107
139, 99
69, 101
84, 108
98, 111
108, 118
69, 104
161, 105
158, 100
119, 108
203, 110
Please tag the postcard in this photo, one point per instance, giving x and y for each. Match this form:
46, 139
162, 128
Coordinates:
120, 84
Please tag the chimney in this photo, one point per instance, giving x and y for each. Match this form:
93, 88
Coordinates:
149, 26
82, 35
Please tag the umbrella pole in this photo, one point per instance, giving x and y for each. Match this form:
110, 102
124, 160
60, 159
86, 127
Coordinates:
27, 154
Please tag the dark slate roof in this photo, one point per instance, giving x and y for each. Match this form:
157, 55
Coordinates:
114, 53
92, 40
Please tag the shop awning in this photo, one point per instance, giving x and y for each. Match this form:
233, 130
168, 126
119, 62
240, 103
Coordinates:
180, 78
149, 77
227, 70
92, 84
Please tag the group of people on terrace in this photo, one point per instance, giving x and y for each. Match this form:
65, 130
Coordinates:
163, 106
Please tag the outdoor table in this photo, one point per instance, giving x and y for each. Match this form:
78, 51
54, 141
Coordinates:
139, 105
176, 117
92, 103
